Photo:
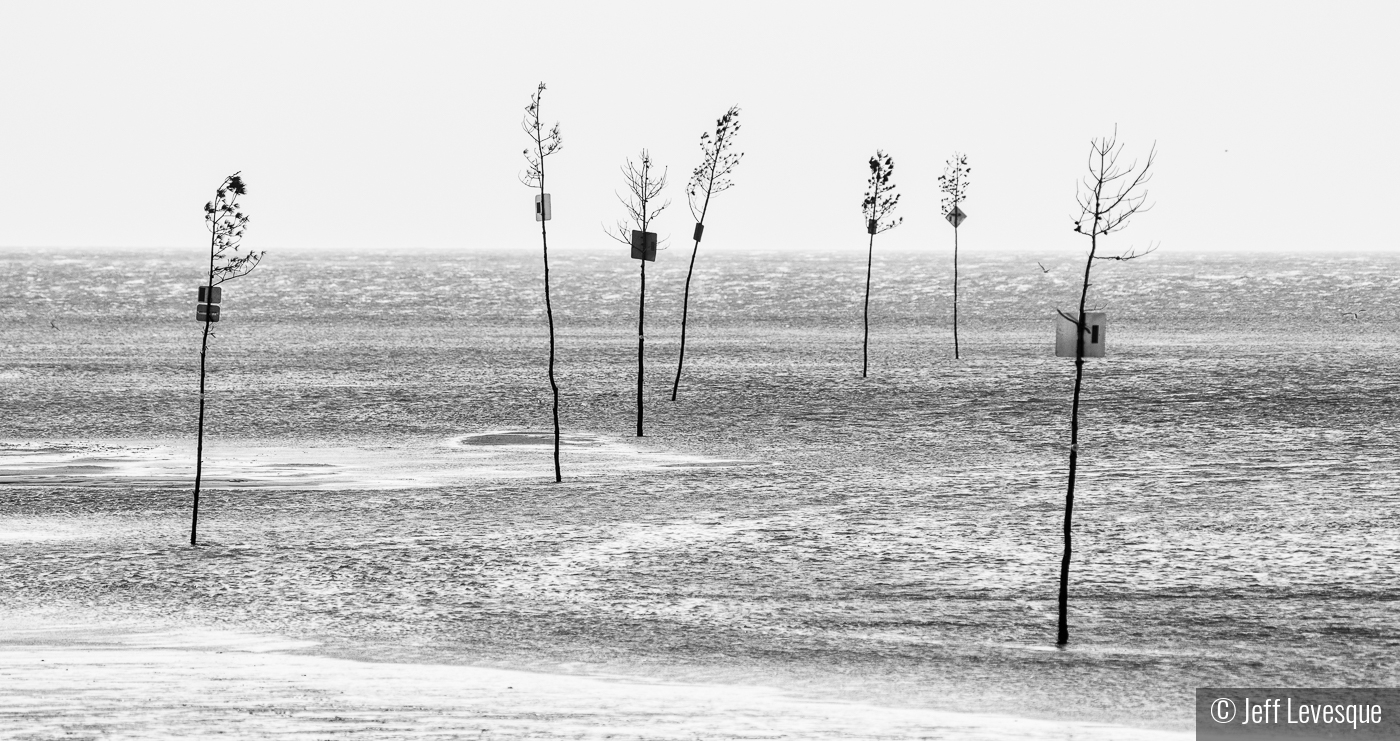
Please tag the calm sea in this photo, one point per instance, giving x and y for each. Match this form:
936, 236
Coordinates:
894, 538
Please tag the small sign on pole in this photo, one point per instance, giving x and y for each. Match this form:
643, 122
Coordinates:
542, 210
956, 217
871, 225
699, 230
210, 294
206, 313
1095, 333
644, 245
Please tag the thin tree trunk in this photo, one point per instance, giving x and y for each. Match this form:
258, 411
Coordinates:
641, 334
685, 301
955, 290
548, 307
549, 312
203, 352
199, 444
865, 342
685, 311
1063, 636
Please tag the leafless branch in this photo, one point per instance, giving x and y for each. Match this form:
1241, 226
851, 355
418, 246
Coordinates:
544, 142
644, 186
1133, 253
1111, 194
1083, 324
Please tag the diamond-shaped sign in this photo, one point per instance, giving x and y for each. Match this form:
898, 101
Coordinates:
956, 217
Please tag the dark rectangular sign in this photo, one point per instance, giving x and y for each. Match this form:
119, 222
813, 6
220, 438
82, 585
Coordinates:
643, 245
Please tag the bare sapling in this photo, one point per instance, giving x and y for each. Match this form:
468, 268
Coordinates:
953, 182
226, 223
644, 186
542, 144
709, 179
880, 201
1109, 196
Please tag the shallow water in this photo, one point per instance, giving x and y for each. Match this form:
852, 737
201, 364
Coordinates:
893, 539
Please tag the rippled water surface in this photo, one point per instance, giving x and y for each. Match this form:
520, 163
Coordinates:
895, 538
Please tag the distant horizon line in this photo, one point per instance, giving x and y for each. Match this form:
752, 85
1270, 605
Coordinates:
595, 249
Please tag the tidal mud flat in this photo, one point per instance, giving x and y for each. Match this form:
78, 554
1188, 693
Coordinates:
891, 542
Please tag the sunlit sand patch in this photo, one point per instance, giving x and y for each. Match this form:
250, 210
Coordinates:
160, 465
488, 455
81, 634
18, 535
194, 683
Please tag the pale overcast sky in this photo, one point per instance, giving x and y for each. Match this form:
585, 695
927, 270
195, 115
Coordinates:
396, 125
